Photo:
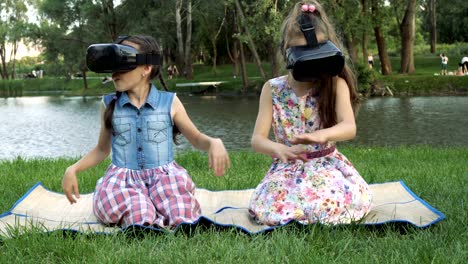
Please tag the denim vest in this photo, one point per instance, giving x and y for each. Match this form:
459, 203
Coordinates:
142, 138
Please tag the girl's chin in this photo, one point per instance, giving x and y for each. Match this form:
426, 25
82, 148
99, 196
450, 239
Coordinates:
118, 87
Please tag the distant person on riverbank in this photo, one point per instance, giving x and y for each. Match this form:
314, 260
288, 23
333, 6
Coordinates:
309, 181
444, 62
106, 80
370, 61
172, 71
464, 65
143, 185
459, 71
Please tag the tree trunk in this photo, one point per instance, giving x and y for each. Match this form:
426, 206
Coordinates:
385, 65
13, 59
188, 43
236, 55
180, 40
3, 69
272, 50
214, 40
352, 47
110, 18
233, 55
433, 25
252, 46
364, 33
215, 55
85, 80
407, 28
245, 78
364, 47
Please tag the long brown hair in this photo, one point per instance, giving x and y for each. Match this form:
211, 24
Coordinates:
146, 45
291, 30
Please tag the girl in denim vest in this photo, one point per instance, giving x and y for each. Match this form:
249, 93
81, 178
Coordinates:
144, 185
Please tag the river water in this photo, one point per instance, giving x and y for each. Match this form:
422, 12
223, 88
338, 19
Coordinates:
56, 126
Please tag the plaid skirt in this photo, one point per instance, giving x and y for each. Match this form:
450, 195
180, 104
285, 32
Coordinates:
162, 196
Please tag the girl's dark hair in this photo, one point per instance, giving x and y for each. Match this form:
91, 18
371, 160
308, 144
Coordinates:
291, 30
146, 45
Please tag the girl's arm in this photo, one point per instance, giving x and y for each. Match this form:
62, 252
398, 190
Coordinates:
94, 157
345, 128
217, 155
260, 140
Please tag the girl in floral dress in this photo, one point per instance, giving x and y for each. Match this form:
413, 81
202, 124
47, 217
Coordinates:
309, 180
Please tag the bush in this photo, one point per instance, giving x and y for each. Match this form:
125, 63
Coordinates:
365, 77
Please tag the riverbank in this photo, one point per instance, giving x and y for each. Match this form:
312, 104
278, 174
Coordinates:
437, 175
371, 83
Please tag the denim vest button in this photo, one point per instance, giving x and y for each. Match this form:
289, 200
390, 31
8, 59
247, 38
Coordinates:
138, 112
140, 149
139, 129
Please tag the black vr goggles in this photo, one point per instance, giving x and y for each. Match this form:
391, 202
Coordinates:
115, 57
310, 62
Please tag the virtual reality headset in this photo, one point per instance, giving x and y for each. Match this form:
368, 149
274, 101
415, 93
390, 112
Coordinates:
112, 57
314, 60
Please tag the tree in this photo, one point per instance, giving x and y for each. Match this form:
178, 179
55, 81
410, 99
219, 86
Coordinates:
12, 30
184, 58
264, 19
407, 32
68, 27
180, 39
377, 20
452, 20
108, 15
213, 18
366, 22
188, 43
432, 25
350, 23
240, 44
231, 34
251, 44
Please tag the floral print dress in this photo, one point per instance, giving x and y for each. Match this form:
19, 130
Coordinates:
326, 188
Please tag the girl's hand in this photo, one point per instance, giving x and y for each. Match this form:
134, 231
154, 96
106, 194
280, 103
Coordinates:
218, 157
285, 153
316, 137
70, 185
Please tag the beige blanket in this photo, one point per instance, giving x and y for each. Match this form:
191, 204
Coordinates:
41, 209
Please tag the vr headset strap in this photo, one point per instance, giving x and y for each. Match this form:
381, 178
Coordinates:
142, 59
148, 59
308, 29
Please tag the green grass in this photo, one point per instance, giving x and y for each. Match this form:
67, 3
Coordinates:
437, 175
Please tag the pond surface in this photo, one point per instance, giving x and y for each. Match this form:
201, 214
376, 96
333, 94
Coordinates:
55, 126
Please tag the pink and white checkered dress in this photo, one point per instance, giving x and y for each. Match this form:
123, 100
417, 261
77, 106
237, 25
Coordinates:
162, 196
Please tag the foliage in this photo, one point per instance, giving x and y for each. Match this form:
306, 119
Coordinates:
452, 18
265, 18
66, 27
365, 77
12, 27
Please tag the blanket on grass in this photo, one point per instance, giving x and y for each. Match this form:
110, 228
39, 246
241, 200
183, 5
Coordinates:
44, 210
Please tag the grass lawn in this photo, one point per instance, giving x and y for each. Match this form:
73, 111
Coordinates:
437, 175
